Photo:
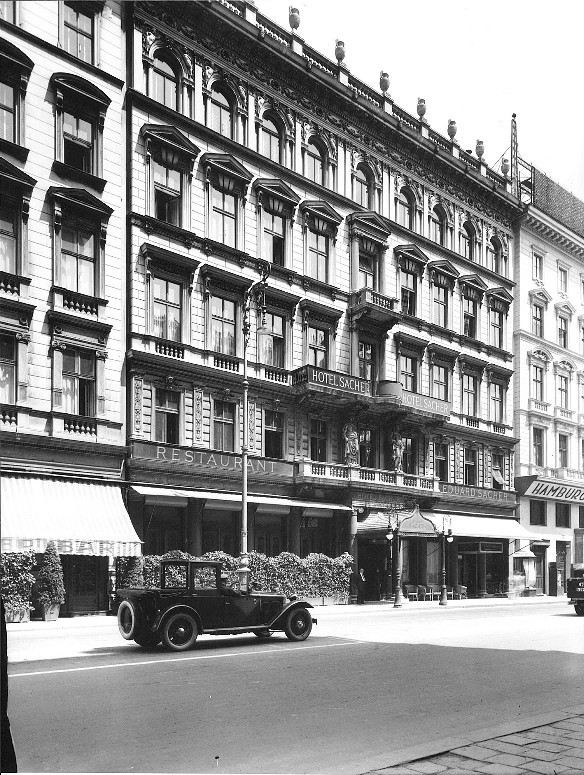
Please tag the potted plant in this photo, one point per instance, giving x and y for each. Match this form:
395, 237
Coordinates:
49, 590
17, 581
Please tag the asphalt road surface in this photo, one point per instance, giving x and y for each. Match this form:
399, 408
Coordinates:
368, 681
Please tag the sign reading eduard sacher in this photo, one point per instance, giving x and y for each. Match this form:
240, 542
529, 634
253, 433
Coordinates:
479, 493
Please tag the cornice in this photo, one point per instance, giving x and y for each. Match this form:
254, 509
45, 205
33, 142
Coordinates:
553, 232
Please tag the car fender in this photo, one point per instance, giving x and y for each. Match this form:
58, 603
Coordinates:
280, 619
161, 618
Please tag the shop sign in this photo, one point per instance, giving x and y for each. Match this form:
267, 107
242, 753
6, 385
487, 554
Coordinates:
558, 492
481, 547
425, 403
216, 461
341, 382
74, 546
482, 493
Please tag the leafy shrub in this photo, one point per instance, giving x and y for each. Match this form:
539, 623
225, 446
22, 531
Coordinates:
17, 580
49, 588
129, 572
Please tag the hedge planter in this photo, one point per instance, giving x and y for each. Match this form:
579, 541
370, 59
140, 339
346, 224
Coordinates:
51, 612
17, 615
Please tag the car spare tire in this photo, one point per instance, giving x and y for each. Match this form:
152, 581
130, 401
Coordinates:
127, 620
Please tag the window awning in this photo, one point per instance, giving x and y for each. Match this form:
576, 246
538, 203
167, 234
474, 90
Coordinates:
486, 527
158, 493
81, 517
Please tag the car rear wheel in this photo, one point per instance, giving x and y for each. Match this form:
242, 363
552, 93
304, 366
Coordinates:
298, 624
579, 608
147, 640
262, 633
180, 632
127, 619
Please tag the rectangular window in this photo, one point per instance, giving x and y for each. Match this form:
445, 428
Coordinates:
7, 112
223, 217
497, 329
469, 318
222, 325
78, 32
410, 456
562, 279
78, 142
562, 450
563, 515
318, 252
469, 395
563, 332
441, 306
537, 320
318, 437
317, 347
78, 259
366, 271
167, 193
537, 512
538, 449
365, 448
537, 383
470, 466
581, 517
563, 401
224, 426
366, 356
8, 236
497, 413
440, 382
79, 382
441, 461
498, 472
408, 293
274, 237
273, 433
166, 416
7, 369
408, 368
538, 266
272, 342
167, 309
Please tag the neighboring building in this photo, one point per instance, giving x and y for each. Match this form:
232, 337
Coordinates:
62, 289
380, 383
549, 388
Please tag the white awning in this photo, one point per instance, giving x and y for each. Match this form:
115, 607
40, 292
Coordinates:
160, 493
486, 527
81, 517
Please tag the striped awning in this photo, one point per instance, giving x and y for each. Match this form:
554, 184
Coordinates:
83, 518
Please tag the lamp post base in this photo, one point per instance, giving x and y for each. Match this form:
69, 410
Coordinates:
398, 598
443, 596
243, 572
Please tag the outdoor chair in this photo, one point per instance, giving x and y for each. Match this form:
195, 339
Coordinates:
434, 590
424, 593
459, 592
411, 591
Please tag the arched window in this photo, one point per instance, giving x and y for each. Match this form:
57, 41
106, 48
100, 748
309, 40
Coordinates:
467, 241
314, 163
438, 225
361, 187
404, 208
495, 255
220, 116
271, 143
163, 82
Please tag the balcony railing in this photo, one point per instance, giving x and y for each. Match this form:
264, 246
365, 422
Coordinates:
80, 426
8, 415
334, 471
539, 406
565, 414
169, 349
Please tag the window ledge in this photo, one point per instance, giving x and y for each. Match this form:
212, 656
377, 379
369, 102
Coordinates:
10, 283
154, 226
65, 317
13, 149
79, 176
78, 303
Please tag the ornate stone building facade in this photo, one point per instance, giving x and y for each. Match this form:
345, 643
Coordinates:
379, 347
62, 290
549, 386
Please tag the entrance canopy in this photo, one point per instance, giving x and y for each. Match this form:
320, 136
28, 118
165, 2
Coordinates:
485, 527
168, 495
81, 517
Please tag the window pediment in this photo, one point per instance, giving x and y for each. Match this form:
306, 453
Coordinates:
172, 139
369, 225
318, 209
217, 278
565, 309
472, 286
160, 257
79, 89
79, 198
413, 253
439, 353
443, 270
499, 299
408, 342
539, 296
14, 176
499, 375
314, 310
12, 58
220, 165
564, 366
470, 365
271, 191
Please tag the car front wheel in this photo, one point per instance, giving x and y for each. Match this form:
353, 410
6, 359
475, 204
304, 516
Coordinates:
180, 632
298, 624
127, 620
579, 608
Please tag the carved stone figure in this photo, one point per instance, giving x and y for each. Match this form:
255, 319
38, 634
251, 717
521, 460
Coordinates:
351, 444
398, 451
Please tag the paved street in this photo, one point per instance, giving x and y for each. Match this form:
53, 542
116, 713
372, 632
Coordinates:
371, 688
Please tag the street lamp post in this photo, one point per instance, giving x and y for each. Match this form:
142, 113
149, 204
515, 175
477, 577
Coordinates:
446, 537
255, 292
393, 535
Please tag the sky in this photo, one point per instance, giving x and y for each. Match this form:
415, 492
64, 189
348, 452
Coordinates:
475, 62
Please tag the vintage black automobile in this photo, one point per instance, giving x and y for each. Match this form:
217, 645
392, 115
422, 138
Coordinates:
576, 589
193, 598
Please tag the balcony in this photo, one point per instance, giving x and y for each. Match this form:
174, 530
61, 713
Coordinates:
535, 405
564, 414
334, 472
373, 307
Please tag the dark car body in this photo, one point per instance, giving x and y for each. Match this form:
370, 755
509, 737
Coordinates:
575, 589
193, 599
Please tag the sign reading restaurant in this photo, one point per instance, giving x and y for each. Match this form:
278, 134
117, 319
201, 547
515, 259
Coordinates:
211, 461
480, 493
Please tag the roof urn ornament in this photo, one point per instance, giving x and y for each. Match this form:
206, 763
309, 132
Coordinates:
480, 149
505, 167
421, 108
452, 129
384, 82
294, 18
340, 50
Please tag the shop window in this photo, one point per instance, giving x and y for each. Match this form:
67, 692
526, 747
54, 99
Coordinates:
223, 325
563, 332
366, 360
167, 309
274, 238
405, 208
440, 381
498, 471
537, 512
470, 466
362, 187
408, 292
537, 320
537, 266
318, 440
273, 434
469, 395
497, 392
220, 112
441, 465
224, 426
79, 382
437, 222
80, 30
164, 80
440, 305
166, 416
15, 70
562, 450
538, 447
318, 346
563, 515
272, 341
318, 255
315, 163
468, 241
271, 139
563, 392
408, 371
7, 369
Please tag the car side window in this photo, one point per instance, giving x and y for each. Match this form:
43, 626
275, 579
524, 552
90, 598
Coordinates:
204, 578
175, 577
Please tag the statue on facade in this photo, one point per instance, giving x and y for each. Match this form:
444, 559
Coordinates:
398, 452
351, 443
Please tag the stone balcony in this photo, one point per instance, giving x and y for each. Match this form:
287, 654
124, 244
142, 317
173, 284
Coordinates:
374, 307
310, 470
535, 405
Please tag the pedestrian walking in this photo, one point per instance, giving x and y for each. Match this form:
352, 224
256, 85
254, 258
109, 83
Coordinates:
361, 586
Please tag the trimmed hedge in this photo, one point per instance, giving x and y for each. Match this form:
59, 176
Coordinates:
314, 576
49, 588
17, 580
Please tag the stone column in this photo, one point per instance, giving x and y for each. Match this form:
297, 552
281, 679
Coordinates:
294, 530
354, 262
482, 575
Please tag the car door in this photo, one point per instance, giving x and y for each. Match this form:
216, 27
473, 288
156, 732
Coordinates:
240, 610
